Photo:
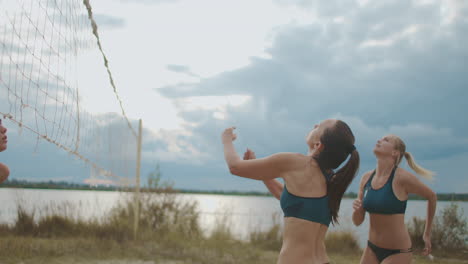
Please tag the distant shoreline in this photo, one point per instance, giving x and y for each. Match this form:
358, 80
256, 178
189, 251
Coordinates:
51, 185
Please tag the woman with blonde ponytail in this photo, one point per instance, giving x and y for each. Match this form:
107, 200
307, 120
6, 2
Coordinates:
383, 193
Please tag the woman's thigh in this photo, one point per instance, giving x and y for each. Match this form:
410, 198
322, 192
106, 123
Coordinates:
368, 257
400, 258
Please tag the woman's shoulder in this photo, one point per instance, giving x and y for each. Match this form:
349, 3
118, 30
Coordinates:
403, 175
293, 161
290, 156
365, 177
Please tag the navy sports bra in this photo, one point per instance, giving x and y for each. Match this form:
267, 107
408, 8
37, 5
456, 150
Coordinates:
382, 200
313, 209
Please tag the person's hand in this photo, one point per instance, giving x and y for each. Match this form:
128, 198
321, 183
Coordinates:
3, 137
427, 245
249, 154
357, 204
228, 135
4, 172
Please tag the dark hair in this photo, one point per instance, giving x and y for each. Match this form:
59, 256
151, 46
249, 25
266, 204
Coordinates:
338, 143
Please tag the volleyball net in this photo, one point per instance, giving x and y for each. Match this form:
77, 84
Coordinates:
55, 83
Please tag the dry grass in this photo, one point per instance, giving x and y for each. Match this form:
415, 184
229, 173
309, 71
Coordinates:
344, 242
270, 239
169, 234
81, 251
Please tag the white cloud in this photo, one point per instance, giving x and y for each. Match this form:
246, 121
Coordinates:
190, 69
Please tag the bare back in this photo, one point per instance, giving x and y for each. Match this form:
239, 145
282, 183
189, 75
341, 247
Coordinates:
303, 240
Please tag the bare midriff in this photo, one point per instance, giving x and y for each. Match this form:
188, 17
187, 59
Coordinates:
389, 231
303, 242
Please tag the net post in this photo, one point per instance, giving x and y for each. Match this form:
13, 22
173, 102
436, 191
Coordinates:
137, 182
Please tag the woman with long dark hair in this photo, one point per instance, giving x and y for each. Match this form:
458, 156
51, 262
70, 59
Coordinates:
312, 191
4, 171
383, 194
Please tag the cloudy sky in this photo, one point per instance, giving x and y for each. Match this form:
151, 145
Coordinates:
273, 69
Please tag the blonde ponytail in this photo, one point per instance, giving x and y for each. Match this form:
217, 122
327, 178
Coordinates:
401, 147
427, 174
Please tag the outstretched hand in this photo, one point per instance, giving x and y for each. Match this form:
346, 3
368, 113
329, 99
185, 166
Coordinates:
249, 154
228, 135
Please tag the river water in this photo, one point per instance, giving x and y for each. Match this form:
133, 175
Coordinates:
243, 214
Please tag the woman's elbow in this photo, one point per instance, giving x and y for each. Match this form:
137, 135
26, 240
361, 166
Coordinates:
357, 221
234, 170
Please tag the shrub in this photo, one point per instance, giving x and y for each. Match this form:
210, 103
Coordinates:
24, 224
449, 231
271, 239
342, 242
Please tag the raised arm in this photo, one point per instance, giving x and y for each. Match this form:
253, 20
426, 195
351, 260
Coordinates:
359, 213
412, 184
274, 186
268, 168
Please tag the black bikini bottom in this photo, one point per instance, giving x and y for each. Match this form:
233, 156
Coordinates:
383, 253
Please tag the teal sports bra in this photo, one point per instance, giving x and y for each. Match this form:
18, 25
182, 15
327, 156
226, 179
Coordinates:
382, 200
314, 209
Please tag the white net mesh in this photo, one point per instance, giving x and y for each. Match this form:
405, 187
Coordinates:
53, 84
